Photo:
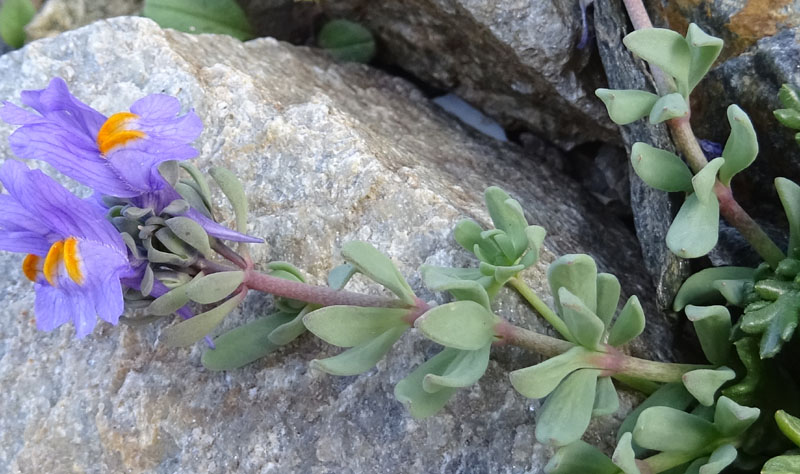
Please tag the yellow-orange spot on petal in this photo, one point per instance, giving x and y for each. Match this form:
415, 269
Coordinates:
30, 266
72, 260
115, 132
52, 261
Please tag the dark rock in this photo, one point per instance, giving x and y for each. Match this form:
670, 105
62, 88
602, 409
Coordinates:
517, 61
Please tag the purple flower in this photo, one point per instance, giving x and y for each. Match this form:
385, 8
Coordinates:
117, 155
76, 258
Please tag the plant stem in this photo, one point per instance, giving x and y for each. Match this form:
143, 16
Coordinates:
616, 362
228, 253
667, 460
540, 307
321, 295
613, 361
532, 340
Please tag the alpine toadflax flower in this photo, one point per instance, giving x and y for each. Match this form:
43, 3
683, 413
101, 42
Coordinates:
75, 256
117, 155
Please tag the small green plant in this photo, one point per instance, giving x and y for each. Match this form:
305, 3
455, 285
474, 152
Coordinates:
347, 41
224, 17
14, 15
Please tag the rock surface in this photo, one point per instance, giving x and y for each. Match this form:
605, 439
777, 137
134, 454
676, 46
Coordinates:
328, 153
517, 61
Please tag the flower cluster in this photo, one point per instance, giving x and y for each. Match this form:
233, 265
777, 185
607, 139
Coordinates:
77, 257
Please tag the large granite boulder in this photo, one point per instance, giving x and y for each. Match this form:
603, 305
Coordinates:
328, 153
519, 62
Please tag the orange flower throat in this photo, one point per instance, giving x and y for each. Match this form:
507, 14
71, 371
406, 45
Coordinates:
116, 132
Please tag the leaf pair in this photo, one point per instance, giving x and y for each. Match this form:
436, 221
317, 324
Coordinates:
510, 247
587, 300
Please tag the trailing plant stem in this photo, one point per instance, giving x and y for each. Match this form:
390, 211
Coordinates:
613, 361
321, 295
540, 307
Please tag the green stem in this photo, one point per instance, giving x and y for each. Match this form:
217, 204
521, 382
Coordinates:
654, 371
532, 340
645, 386
667, 460
540, 307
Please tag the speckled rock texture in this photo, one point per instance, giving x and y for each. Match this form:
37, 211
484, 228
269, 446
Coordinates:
328, 153
516, 60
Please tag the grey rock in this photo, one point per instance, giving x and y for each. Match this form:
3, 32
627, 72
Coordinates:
328, 153
652, 209
517, 61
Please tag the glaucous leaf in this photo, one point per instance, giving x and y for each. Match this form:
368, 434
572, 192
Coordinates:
244, 344
348, 326
566, 413
704, 50
340, 275
232, 189
190, 232
377, 266
673, 395
467, 233
171, 301
789, 193
584, 326
629, 324
663, 48
347, 41
626, 106
713, 327
212, 288
695, 230
606, 399
668, 107
465, 325
580, 458
698, 289
194, 199
721, 458
147, 281
732, 419
624, 455
704, 383
200, 181
361, 357
508, 216
464, 370
660, 169
789, 426
703, 181
200, 16
735, 292
193, 329
539, 380
410, 392
463, 289
608, 291
578, 274
742, 145
14, 15
667, 429
290, 330
177, 207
